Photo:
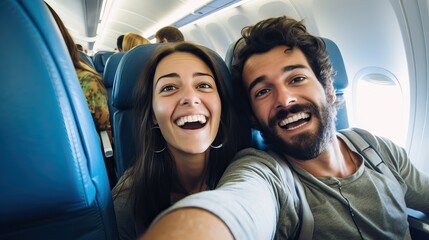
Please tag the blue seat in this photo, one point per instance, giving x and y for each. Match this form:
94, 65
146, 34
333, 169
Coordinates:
53, 180
109, 77
99, 59
340, 84
87, 59
128, 72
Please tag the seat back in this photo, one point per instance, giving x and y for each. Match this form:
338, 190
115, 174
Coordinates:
100, 59
52, 177
129, 70
86, 59
109, 77
340, 85
127, 74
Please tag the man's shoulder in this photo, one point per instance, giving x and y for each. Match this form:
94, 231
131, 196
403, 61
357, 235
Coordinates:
253, 154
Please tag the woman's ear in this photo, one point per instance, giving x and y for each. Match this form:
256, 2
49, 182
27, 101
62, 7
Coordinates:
155, 122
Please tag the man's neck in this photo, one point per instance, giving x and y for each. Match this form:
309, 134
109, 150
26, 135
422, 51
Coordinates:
336, 160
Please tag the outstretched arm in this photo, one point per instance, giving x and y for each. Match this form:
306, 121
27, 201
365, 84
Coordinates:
188, 223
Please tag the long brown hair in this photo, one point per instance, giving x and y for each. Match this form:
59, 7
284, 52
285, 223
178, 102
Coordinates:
154, 174
71, 46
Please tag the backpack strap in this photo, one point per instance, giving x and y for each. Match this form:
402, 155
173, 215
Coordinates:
365, 148
306, 227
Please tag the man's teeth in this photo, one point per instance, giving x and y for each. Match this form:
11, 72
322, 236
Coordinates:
294, 118
191, 118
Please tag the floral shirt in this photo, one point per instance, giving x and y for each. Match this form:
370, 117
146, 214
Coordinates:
96, 98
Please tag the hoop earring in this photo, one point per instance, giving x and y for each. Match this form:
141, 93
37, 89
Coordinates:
158, 140
219, 135
216, 147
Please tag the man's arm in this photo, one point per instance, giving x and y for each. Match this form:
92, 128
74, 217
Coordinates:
188, 223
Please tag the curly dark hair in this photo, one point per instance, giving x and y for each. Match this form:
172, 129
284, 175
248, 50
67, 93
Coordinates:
272, 32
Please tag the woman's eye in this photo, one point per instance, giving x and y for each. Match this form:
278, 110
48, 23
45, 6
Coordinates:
204, 85
261, 92
168, 88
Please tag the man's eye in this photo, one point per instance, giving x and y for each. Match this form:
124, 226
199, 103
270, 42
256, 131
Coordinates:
261, 92
298, 79
168, 88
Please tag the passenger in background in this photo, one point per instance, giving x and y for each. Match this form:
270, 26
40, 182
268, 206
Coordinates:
283, 80
169, 34
119, 41
81, 48
187, 134
131, 40
93, 89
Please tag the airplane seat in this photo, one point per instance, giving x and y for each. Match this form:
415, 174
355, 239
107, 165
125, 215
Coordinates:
53, 178
109, 77
87, 59
100, 59
340, 85
128, 72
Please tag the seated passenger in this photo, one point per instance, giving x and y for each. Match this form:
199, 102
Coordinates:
119, 41
283, 78
131, 40
90, 81
169, 34
186, 135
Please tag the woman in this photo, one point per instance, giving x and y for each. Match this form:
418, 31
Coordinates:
187, 135
93, 88
132, 40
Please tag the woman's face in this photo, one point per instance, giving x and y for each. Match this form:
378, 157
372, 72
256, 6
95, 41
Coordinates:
186, 103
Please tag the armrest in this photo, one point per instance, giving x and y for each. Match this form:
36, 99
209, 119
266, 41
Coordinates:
418, 221
105, 142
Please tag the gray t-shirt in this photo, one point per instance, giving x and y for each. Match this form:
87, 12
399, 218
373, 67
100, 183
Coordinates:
257, 200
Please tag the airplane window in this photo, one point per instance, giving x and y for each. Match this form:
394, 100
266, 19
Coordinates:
379, 104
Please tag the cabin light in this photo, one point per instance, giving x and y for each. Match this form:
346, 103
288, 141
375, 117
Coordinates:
189, 7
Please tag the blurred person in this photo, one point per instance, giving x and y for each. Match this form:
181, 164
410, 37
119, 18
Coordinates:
119, 41
169, 34
131, 40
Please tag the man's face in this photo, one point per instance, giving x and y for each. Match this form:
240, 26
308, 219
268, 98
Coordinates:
291, 107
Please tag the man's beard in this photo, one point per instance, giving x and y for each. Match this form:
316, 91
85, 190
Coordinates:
304, 146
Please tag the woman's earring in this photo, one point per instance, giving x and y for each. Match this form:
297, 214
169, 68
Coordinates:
158, 140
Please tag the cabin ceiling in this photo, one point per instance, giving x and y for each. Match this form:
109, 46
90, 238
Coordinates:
96, 24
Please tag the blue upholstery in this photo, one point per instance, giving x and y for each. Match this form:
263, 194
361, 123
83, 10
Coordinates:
340, 84
109, 77
87, 59
128, 72
100, 58
52, 178
340, 81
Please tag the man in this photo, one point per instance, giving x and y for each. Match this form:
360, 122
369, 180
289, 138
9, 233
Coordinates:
285, 79
119, 41
169, 34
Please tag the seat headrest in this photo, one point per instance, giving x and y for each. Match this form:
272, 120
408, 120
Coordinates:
100, 59
110, 69
340, 80
128, 72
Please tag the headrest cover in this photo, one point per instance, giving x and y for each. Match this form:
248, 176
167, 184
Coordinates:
110, 69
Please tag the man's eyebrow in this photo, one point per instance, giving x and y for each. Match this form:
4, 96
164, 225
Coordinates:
262, 78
